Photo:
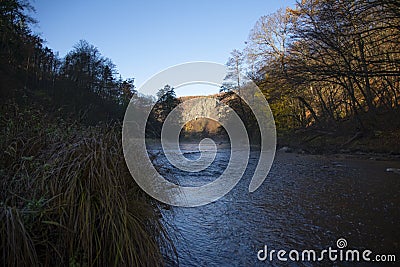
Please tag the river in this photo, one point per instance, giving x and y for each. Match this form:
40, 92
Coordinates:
307, 202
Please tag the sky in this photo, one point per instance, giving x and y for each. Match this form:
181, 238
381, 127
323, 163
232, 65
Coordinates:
144, 37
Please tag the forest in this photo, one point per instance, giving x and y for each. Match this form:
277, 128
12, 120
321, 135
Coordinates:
330, 72
329, 69
66, 195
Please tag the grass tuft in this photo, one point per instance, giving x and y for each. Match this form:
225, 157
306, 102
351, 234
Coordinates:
67, 197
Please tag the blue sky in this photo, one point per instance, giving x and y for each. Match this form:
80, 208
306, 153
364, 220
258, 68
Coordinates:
145, 37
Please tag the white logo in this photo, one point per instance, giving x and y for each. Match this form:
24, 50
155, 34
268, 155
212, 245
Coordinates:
341, 243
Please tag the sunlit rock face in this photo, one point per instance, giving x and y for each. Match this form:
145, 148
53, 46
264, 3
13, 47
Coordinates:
195, 112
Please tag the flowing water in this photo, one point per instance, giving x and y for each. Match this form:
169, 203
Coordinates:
306, 202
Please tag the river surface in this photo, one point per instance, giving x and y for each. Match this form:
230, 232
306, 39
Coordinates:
307, 202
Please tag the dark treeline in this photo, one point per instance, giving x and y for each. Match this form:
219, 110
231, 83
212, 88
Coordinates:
84, 84
67, 197
166, 102
325, 62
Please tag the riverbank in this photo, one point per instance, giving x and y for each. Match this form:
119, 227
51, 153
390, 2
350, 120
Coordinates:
381, 137
380, 146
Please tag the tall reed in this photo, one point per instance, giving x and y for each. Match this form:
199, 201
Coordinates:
67, 197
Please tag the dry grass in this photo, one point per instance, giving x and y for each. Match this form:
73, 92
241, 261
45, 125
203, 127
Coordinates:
67, 197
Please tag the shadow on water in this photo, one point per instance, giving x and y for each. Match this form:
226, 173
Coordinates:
306, 202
